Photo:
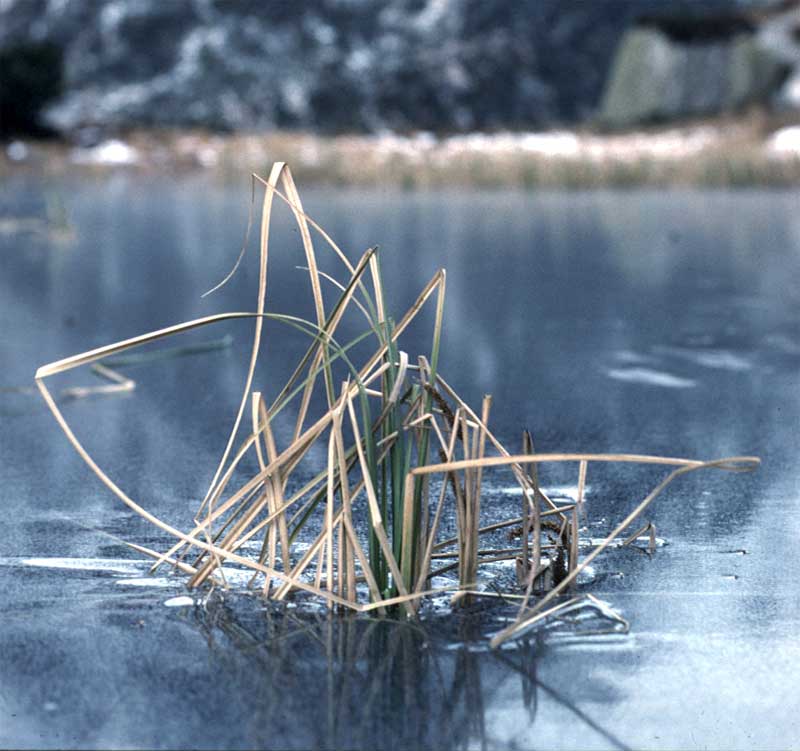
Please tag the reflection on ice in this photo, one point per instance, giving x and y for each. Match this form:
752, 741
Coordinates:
379, 683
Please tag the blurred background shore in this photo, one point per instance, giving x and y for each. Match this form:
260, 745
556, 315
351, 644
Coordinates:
413, 93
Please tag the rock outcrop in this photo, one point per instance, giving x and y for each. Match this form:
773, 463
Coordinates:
683, 63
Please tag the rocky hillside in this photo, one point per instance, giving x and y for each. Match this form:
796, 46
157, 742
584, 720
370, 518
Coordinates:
329, 65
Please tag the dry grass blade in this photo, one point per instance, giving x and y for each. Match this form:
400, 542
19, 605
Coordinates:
277, 483
99, 353
426, 559
735, 463
119, 384
341, 459
290, 455
315, 354
527, 526
516, 468
266, 212
632, 538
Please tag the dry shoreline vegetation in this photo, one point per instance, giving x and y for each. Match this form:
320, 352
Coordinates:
403, 453
740, 152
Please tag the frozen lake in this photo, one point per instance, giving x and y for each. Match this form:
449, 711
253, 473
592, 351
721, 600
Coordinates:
647, 322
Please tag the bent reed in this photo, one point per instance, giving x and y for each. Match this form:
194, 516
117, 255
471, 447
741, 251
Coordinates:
391, 423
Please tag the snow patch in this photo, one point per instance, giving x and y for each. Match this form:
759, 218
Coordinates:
112, 152
785, 140
17, 151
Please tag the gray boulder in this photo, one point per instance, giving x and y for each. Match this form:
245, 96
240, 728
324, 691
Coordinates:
665, 70
780, 37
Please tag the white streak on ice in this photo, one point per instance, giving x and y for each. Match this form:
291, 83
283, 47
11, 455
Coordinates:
650, 377
553, 491
147, 581
111, 565
179, 602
